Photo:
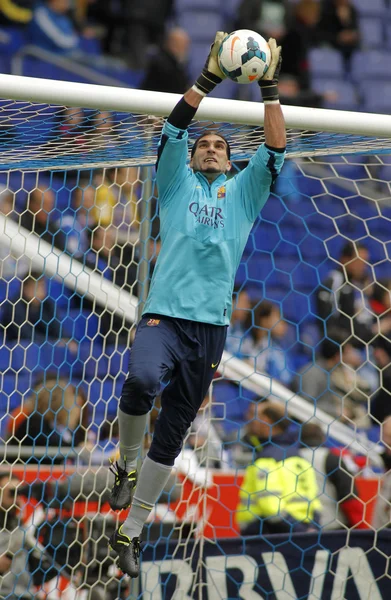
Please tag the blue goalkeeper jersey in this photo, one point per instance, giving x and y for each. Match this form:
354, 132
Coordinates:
204, 229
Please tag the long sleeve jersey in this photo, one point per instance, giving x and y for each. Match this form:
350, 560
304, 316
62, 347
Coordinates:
204, 229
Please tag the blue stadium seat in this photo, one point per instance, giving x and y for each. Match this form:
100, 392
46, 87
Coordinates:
371, 32
227, 89
273, 210
266, 236
118, 359
376, 97
197, 56
370, 64
305, 278
78, 325
201, 26
326, 62
374, 8
388, 33
347, 97
103, 400
201, 5
312, 250
259, 266
295, 307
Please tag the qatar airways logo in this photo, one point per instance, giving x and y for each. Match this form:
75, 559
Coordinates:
207, 215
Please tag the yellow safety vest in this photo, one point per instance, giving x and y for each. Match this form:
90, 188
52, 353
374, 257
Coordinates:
274, 488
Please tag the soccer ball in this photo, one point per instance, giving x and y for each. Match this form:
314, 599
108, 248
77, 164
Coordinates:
244, 56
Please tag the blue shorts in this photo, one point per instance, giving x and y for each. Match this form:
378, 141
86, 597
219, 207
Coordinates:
183, 353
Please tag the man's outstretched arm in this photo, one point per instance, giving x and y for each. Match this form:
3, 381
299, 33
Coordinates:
274, 126
183, 113
172, 149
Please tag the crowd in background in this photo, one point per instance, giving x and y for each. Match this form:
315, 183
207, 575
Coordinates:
161, 40
346, 373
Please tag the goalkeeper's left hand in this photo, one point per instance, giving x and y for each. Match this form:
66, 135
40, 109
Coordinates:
269, 82
211, 73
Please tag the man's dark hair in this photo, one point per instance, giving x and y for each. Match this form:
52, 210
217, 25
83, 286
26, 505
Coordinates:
382, 342
312, 435
32, 278
277, 416
261, 310
211, 132
331, 345
351, 249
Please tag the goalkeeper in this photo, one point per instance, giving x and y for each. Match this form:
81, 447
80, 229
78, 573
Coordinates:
205, 223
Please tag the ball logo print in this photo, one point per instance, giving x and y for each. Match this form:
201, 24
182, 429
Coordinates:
244, 56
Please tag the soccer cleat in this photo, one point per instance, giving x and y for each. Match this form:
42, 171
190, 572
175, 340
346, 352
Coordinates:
121, 494
128, 552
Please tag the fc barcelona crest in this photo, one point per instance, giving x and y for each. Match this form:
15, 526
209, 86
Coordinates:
221, 192
153, 322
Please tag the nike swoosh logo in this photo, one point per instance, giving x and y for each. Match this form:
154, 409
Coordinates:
234, 40
214, 365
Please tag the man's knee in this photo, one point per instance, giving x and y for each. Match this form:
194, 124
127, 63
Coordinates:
139, 391
170, 431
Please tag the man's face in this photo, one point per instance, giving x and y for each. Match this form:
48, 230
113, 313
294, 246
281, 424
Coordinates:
357, 266
241, 308
210, 156
386, 434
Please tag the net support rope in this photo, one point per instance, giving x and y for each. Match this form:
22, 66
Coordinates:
78, 277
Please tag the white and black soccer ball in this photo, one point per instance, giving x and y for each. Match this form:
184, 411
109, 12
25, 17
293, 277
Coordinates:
244, 56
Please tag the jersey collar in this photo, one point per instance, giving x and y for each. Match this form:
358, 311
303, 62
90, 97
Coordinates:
217, 182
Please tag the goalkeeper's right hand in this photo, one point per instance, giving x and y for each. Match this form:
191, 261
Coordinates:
269, 82
211, 73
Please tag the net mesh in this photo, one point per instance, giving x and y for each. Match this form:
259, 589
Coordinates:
41, 136
64, 353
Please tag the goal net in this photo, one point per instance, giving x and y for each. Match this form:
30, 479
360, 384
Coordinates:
281, 490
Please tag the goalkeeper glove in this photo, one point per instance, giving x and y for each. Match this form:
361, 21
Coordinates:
211, 73
269, 82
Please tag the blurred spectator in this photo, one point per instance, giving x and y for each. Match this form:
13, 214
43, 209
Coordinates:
53, 418
382, 512
239, 327
340, 504
279, 493
17, 13
301, 36
267, 17
264, 347
109, 197
38, 217
380, 304
146, 23
341, 302
381, 401
16, 580
292, 94
104, 259
31, 314
339, 26
332, 384
167, 67
267, 433
52, 29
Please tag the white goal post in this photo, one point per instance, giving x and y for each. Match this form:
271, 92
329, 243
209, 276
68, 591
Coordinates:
65, 93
